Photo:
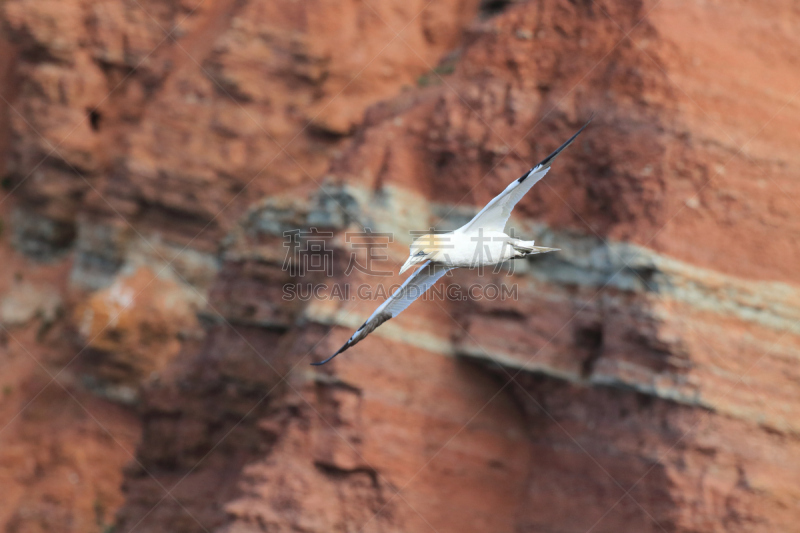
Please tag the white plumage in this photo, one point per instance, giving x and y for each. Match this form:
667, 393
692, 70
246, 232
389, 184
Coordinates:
480, 242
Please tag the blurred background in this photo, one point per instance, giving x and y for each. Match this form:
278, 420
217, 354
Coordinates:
155, 153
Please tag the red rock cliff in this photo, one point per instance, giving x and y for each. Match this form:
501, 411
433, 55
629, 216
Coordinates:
645, 378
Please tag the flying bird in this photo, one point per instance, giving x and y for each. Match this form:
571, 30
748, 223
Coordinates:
480, 242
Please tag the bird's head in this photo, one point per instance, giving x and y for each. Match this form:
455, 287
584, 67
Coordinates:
427, 247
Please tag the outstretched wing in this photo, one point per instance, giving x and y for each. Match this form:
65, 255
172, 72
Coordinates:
494, 216
414, 286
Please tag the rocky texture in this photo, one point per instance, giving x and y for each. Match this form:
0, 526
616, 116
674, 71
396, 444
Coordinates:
133, 329
163, 114
62, 449
61, 460
644, 378
25, 301
654, 465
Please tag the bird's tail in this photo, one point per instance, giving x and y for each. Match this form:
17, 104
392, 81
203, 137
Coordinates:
524, 248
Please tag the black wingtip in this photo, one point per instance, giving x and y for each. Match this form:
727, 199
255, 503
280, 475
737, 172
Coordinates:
340, 350
549, 159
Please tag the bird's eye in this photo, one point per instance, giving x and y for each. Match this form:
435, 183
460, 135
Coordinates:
420, 253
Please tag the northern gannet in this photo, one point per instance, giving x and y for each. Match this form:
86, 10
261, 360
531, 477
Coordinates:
480, 242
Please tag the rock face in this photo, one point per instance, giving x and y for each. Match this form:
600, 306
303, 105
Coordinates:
26, 301
645, 378
132, 330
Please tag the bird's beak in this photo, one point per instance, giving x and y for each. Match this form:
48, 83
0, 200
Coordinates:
544, 249
408, 264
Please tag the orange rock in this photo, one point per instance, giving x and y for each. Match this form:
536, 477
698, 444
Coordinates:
132, 327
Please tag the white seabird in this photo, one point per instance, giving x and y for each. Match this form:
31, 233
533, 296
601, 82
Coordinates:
480, 242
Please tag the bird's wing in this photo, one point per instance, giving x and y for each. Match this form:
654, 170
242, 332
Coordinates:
412, 288
494, 216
